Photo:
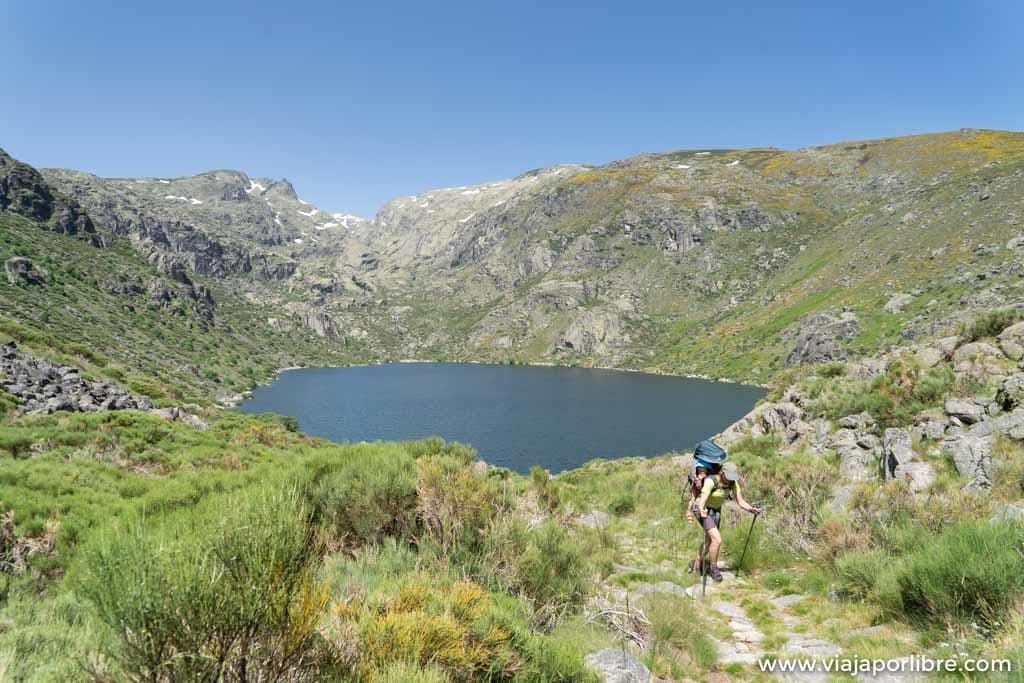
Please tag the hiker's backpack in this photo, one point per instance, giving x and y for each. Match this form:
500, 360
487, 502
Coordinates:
710, 452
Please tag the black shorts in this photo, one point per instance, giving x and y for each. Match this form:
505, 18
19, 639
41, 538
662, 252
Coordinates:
712, 521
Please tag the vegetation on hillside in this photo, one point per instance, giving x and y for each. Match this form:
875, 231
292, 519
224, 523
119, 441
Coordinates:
99, 309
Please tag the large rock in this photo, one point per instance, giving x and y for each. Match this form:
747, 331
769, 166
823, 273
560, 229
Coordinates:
928, 357
975, 350
1011, 392
783, 419
1009, 512
1011, 341
965, 410
972, 456
858, 422
900, 463
617, 666
929, 427
868, 368
1009, 424
592, 332
20, 270
981, 361
819, 339
898, 302
855, 459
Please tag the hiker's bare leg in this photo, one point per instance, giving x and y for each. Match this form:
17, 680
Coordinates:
716, 542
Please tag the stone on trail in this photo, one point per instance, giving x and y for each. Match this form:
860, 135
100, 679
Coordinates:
736, 653
729, 609
786, 601
811, 647
617, 666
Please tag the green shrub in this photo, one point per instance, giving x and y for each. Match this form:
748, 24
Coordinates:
545, 488
677, 627
407, 672
858, 572
894, 398
991, 323
553, 569
455, 502
546, 565
831, 370
435, 445
622, 504
222, 590
971, 572
370, 495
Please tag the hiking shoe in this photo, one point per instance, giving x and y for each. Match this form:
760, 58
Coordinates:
716, 575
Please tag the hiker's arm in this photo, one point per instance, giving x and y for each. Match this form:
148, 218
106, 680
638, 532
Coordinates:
742, 502
705, 493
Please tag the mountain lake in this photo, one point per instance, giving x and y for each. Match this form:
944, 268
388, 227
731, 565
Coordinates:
515, 416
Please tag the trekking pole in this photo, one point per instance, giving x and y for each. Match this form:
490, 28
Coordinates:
704, 566
739, 567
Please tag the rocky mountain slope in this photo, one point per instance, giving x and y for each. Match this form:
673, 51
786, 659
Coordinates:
163, 326
731, 263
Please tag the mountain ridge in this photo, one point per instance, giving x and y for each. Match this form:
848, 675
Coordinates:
614, 265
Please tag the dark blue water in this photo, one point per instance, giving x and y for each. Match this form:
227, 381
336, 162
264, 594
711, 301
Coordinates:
515, 416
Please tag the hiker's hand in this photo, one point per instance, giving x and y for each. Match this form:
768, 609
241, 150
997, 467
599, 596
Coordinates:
754, 510
689, 516
703, 513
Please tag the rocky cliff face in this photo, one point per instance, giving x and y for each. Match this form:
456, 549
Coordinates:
25, 192
722, 262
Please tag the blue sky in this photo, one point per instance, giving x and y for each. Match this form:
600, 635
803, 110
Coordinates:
356, 103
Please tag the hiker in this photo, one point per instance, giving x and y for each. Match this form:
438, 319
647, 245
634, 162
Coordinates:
695, 482
719, 484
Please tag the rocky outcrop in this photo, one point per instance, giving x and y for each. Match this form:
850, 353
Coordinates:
981, 362
972, 455
898, 302
319, 322
784, 420
25, 192
592, 332
1011, 392
43, 387
1011, 341
858, 454
967, 411
819, 339
20, 270
179, 415
899, 462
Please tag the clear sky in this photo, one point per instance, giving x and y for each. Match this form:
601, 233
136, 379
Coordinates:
357, 102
